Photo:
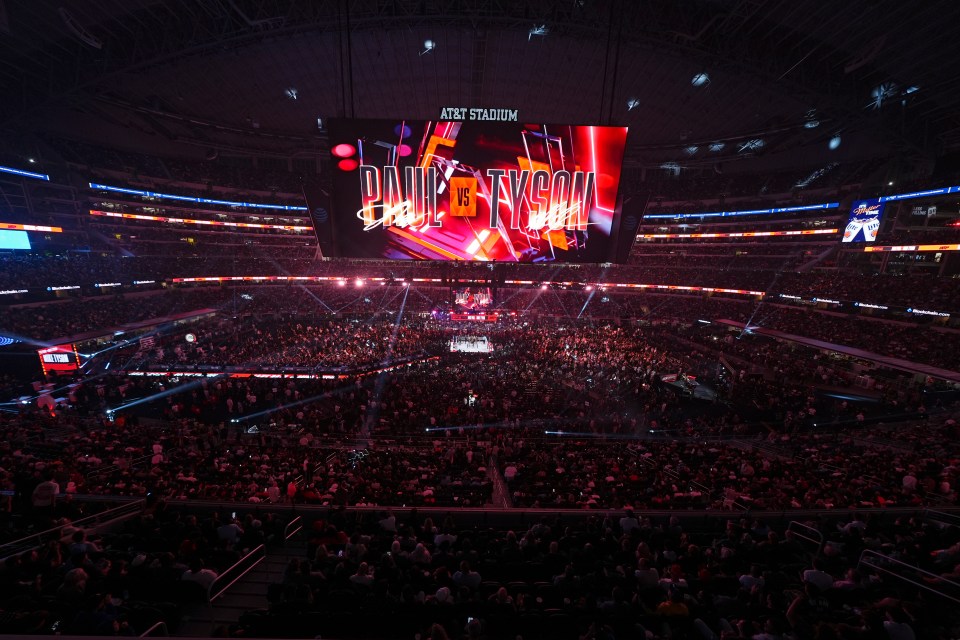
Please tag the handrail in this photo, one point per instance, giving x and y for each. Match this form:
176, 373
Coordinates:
287, 533
157, 626
937, 579
949, 519
885, 444
213, 593
316, 508
16, 546
133, 463
810, 531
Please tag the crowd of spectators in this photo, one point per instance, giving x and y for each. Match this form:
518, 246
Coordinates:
319, 343
926, 292
906, 341
76, 316
622, 575
800, 470
126, 580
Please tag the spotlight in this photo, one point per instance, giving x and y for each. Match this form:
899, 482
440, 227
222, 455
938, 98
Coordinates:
428, 46
700, 80
291, 92
890, 184
359, 282
589, 287
540, 30
834, 142
31, 161
341, 283
632, 104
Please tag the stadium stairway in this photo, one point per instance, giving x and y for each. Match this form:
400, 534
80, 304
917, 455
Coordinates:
246, 594
823, 255
501, 493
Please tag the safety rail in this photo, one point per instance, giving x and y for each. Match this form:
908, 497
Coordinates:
534, 513
110, 468
942, 517
762, 446
693, 484
301, 480
886, 444
235, 572
807, 533
922, 580
293, 527
160, 627
20, 545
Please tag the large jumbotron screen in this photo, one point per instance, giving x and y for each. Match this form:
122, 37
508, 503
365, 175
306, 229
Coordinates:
429, 190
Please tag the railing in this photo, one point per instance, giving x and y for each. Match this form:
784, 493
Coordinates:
110, 468
159, 629
885, 444
942, 517
242, 567
921, 578
301, 480
807, 533
536, 513
293, 527
29, 542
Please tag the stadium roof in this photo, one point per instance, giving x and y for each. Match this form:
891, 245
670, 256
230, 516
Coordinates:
760, 77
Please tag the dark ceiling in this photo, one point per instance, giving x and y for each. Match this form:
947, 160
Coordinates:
206, 72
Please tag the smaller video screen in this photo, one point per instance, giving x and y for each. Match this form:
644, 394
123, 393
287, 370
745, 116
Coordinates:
468, 299
864, 221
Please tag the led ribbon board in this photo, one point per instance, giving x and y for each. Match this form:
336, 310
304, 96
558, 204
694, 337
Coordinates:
171, 196
342, 281
209, 223
744, 234
24, 174
750, 212
912, 248
12, 226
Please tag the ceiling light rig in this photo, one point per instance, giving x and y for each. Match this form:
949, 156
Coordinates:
881, 93
812, 122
